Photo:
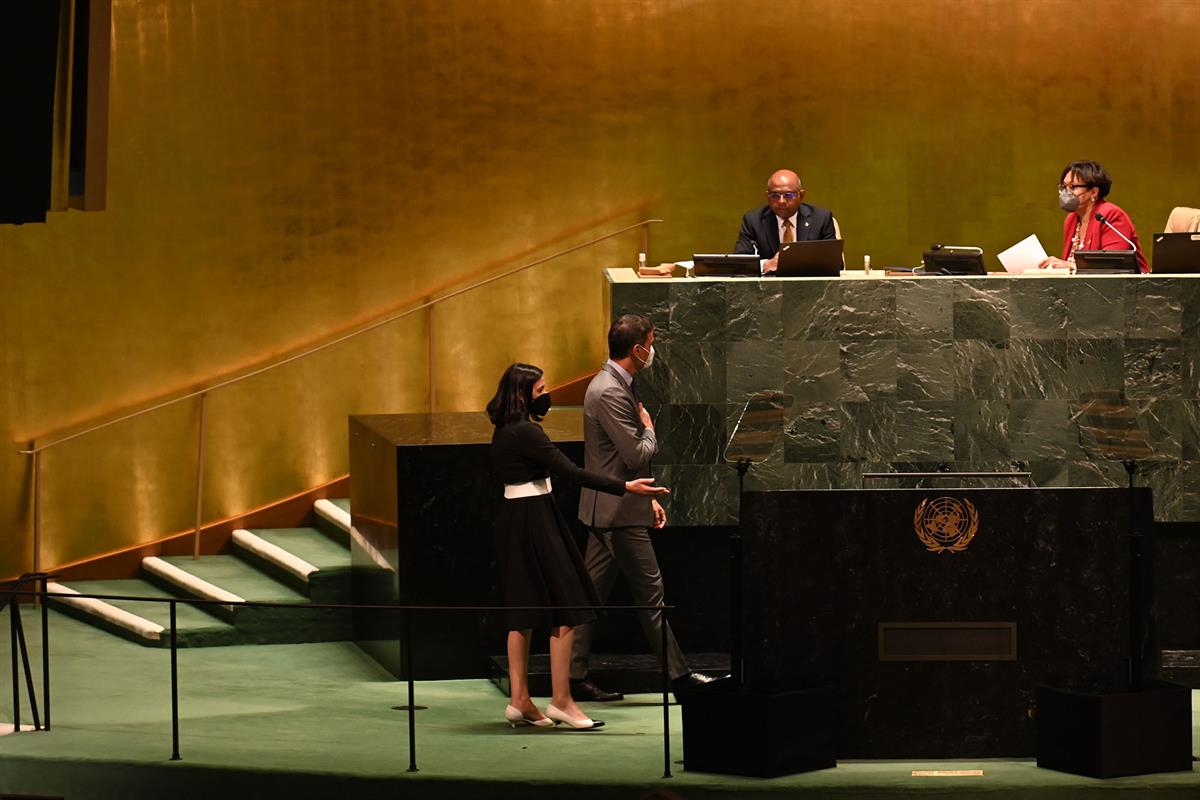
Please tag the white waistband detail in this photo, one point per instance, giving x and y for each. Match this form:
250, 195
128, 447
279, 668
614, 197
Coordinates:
515, 491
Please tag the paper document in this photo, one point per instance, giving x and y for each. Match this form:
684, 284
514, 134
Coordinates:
1025, 254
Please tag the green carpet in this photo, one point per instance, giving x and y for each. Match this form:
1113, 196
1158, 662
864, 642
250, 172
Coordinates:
315, 720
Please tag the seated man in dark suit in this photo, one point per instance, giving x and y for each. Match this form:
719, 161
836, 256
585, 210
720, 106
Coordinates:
785, 218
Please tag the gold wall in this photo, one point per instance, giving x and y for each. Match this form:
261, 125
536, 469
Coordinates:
281, 169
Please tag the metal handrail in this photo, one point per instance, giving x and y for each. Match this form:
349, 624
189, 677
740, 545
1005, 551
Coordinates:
44, 594
201, 395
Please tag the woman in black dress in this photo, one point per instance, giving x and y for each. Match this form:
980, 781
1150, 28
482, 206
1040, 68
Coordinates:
539, 562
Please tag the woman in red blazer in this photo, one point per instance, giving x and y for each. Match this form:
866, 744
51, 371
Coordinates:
1082, 188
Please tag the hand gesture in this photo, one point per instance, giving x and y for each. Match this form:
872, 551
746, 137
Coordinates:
660, 515
1055, 263
645, 415
643, 486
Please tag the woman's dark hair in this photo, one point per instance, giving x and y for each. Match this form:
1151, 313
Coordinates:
1090, 174
514, 394
625, 332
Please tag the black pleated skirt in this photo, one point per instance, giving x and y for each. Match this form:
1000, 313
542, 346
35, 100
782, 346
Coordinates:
540, 565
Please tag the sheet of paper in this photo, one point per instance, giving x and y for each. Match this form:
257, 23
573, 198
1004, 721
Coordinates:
1025, 254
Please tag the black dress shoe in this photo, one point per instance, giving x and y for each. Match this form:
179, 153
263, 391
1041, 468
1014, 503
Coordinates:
585, 689
692, 680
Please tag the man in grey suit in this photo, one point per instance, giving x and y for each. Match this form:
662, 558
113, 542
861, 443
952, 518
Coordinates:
619, 440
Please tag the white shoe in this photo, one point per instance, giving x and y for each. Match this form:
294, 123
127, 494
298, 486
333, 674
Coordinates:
584, 724
515, 718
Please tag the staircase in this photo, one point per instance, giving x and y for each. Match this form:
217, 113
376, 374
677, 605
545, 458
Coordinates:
299, 566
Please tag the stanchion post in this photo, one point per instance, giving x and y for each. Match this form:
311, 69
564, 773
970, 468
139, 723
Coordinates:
33, 708
666, 695
12, 626
412, 703
46, 650
174, 691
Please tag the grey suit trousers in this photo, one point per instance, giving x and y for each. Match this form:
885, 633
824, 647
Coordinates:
629, 551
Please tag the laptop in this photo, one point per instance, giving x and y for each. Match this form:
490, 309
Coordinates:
726, 265
818, 258
1176, 253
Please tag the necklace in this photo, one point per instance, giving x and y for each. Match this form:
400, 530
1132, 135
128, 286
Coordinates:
1077, 241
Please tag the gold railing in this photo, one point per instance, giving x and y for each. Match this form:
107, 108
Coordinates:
201, 394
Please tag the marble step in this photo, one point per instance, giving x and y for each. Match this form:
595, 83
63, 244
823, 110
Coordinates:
333, 517
225, 577
145, 623
307, 559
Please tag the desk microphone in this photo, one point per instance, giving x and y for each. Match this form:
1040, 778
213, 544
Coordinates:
1100, 218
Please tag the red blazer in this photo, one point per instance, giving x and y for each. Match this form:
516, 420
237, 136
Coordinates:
1102, 237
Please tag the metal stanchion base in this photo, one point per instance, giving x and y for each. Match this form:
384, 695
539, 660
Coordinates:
410, 708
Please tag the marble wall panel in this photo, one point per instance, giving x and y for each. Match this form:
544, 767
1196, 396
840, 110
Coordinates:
981, 311
1050, 472
1063, 377
1189, 422
1039, 309
697, 312
753, 367
869, 369
1153, 309
981, 430
753, 311
1096, 309
813, 434
1042, 430
1189, 368
652, 301
925, 369
924, 309
811, 309
1095, 365
1184, 502
1162, 420
690, 434
1153, 368
868, 311
924, 430
982, 369
812, 371
1097, 473
869, 431
1189, 301
696, 370
703, 494
1038, 369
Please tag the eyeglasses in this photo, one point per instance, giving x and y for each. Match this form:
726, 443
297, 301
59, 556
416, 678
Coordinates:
777, 196
1070, 187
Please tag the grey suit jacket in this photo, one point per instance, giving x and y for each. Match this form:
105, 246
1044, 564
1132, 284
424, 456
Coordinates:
616, 444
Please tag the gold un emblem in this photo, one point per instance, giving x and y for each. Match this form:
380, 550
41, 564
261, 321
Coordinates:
945, 524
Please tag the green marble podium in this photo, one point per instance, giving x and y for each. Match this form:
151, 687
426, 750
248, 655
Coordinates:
1062, 376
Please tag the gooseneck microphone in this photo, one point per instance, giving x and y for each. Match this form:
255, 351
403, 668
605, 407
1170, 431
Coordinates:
1100, 218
